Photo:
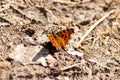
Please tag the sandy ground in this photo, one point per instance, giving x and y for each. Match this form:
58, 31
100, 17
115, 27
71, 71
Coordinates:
25, 51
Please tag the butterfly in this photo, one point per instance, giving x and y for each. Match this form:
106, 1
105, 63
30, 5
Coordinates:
60, 39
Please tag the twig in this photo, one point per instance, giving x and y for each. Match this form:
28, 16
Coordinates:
20, 11
65, 2
93, 43
93, 26
65, 68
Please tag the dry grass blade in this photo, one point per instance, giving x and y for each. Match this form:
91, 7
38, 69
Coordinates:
93, 43
93, 26
65, 1
68, 67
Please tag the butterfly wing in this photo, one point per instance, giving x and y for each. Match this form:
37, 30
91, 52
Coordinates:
54, 41
64, 36
60, 39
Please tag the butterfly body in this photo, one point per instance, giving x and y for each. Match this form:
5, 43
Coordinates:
60, 39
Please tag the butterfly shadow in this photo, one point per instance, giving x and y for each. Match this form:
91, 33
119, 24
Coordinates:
48, 48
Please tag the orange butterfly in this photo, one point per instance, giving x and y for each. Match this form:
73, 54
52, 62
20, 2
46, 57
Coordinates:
60, 39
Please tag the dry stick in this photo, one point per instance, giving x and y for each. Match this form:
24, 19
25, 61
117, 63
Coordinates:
65, 68
93, 26
65, 2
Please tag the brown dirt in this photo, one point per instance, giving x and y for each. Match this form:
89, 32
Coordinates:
25, 25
